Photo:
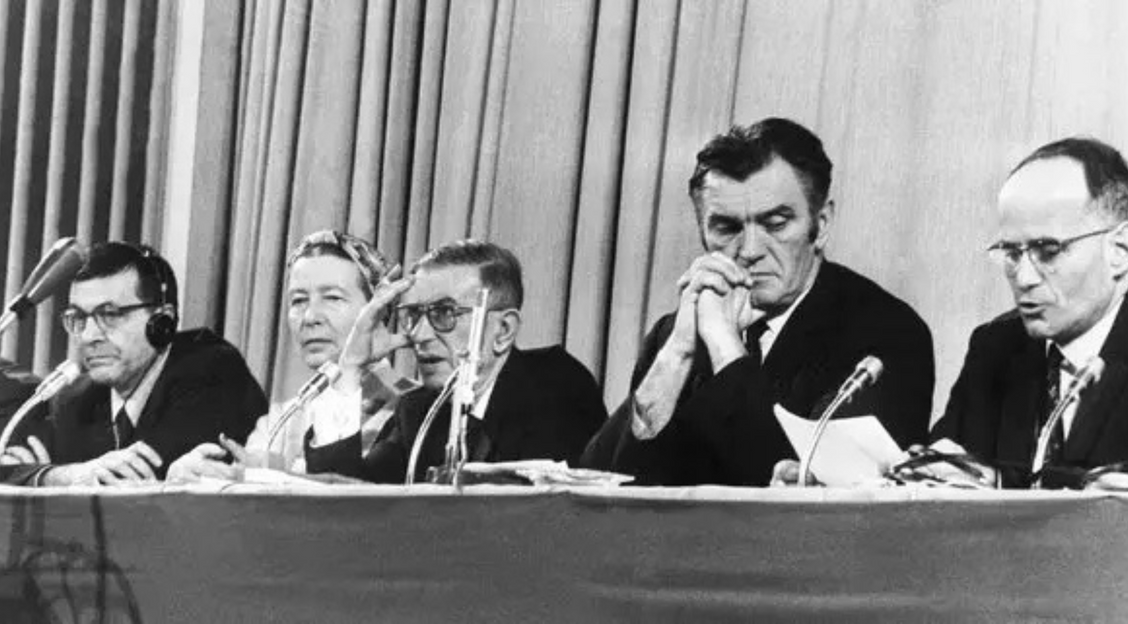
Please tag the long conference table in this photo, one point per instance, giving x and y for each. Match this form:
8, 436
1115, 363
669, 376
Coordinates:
288, 553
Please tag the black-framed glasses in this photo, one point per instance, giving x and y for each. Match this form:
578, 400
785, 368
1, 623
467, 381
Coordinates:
108, 316
1042, 251
442, 315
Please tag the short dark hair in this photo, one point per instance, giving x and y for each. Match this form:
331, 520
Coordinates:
498, 269
744, 150
156, 283
370, 263
1106, 173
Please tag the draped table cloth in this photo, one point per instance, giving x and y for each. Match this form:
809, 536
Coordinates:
288, 553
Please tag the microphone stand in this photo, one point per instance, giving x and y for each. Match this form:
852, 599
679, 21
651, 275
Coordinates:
869, 369
463, 403
327, 374
1089, 374
417, 444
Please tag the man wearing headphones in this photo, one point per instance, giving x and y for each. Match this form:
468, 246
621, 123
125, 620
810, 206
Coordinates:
148, 394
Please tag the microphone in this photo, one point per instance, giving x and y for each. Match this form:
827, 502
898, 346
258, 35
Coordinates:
58, 267
327, 374
865, 374
456, 451
1090, 374
63, 375
417, 444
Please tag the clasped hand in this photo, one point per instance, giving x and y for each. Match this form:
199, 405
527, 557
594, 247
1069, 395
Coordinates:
714, 305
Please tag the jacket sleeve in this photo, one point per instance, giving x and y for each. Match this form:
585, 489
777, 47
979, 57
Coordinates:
209, 394
386, 462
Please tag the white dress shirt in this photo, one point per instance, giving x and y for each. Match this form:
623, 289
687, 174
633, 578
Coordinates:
135, 403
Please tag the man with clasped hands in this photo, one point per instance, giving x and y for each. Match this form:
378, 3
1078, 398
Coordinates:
763, 318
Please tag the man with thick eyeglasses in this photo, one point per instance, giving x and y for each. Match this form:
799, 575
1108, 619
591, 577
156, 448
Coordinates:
148, 393
1063, 247
529, 404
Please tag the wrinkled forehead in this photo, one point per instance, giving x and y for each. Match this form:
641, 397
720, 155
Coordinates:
769, 188
119, 289
457, 283
312, 273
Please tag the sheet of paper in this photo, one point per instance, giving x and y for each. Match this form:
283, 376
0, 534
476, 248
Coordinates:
852, 450
548, 472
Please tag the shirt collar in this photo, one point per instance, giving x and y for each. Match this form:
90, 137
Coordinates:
483, 401
137, 399
1088, 345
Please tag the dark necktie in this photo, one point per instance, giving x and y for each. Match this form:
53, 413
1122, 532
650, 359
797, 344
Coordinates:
123, 428
1054, 361
752, 339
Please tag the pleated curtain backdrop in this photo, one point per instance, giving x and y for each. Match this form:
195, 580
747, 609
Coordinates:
566, 131
83, 120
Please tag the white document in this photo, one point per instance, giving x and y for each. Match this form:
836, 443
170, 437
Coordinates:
852, 450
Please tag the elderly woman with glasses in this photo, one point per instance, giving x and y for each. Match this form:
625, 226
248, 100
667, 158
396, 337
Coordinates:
331, 278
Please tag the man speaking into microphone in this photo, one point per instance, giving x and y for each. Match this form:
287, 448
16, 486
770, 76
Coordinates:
763, 318
148, 393
1063, 247
527, 404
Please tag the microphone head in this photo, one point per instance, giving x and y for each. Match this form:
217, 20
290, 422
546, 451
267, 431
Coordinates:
69, 371
64, 375
57, 268
331, 371
1093, 370
871, 367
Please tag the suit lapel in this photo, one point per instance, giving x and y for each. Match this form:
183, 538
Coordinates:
1099, 403
498, 432
1097, 407
152, 410
1023, 403
813, 317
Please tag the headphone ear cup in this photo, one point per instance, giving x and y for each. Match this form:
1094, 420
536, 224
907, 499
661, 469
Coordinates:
160, 329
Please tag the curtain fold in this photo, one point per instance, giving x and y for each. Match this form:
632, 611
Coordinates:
566, 131
82, 135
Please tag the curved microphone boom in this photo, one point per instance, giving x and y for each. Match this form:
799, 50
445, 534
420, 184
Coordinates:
64, 375
326, 375
1087, 376
865, 374
456, 451
55, 269
421, 434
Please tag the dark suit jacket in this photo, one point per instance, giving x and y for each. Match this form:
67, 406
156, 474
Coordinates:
998, 400
16, 386
544, 405
205, 389
724, 430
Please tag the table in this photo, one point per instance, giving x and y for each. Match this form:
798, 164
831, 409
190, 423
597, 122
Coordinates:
520, 554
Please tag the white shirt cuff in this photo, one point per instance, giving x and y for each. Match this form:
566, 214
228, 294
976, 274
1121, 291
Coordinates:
335, 416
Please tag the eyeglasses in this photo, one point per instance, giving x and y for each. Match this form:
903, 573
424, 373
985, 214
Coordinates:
108, 316
442, 315
1042, 251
